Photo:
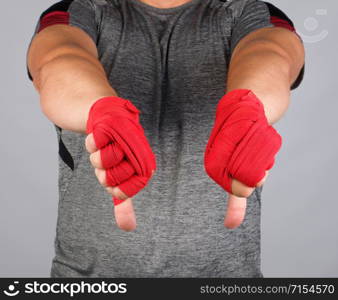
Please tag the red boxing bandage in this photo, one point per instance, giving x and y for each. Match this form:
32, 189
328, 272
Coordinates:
125, 152
242, 144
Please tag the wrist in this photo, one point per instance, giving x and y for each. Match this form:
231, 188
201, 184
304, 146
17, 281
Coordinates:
274, 104
106, 107
238, 98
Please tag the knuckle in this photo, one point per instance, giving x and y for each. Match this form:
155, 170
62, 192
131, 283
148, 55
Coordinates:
101, 176
243, 193
119, 194
90, 143
87, 143
110, 190
95, 159
92, 159
246, 195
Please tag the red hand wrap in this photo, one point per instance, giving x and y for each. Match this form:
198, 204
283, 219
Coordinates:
125, 152
242, 144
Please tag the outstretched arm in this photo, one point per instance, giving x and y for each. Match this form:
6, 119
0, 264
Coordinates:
63, 62
267, 61
242, 146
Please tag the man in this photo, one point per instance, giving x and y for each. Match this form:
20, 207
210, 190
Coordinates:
174, 100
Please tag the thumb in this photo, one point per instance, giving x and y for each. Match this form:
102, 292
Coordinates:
235, 212
124, 214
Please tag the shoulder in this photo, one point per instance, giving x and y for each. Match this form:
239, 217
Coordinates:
67, 5
239, 6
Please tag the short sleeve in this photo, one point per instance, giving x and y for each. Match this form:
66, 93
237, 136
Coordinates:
79, 13
251, 15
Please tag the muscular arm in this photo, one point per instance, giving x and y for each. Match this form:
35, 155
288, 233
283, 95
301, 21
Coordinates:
63, 62
267, 62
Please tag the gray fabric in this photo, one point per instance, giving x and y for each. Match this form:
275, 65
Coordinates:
172, 64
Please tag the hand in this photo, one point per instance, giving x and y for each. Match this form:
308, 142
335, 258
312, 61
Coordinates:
241, 149
120, 153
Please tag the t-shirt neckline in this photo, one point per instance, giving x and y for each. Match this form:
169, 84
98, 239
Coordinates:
164, 10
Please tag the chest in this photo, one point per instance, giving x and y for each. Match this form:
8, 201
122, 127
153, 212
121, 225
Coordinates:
175, 60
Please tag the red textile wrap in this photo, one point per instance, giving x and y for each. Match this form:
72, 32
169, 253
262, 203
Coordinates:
125, 152
54, 18
242, 144
278, 22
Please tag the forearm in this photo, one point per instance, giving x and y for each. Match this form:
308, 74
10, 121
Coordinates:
68, 85
267, 69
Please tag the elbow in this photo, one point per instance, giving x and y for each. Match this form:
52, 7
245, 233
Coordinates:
47, 81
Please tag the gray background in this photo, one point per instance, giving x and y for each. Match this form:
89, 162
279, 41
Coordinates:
299, 222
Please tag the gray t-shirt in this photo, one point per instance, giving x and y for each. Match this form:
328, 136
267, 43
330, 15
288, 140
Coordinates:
172, 64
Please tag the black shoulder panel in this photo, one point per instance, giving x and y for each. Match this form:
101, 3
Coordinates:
60, 6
